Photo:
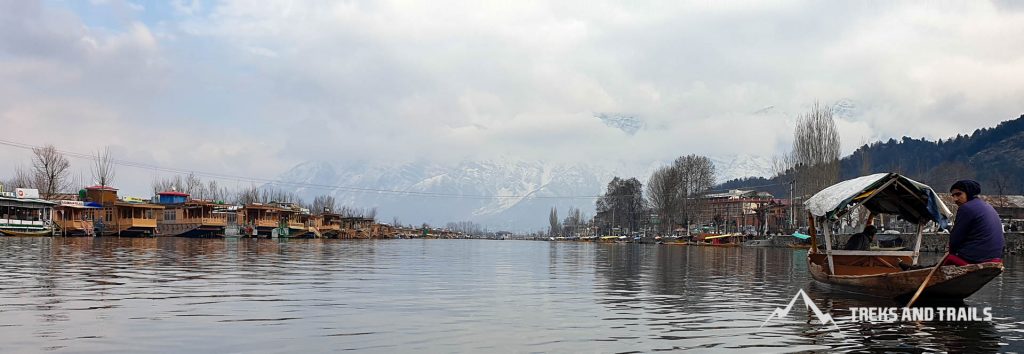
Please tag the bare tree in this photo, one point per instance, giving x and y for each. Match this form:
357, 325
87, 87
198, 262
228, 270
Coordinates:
697, 176
663, 190
103, 168
168, 184
816, 149
194, 185
21, 179
248, 195
814, 161
573, 222
323, 203
50, 168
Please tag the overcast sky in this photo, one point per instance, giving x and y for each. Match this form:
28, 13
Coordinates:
255, 87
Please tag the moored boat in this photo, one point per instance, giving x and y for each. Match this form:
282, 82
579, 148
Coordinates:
879, 272
22, 213
723, 240
75, 218
187, 217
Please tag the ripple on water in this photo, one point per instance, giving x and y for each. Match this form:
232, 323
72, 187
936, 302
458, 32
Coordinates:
138, 295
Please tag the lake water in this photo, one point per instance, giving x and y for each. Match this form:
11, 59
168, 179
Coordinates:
103, 295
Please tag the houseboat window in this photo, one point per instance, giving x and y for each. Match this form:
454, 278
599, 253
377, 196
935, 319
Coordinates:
109, 214
149, 213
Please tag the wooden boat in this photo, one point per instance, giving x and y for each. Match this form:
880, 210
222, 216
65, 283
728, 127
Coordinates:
724, 240
26, 233
881, 276
878, 272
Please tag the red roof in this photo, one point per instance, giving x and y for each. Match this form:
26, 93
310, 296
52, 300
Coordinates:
174, 194
107, 188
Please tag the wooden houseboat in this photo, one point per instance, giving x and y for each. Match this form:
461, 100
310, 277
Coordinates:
22, 213
295, 221
75, 218
260, 220
329, 225
186, 217
122, 217
356, 227
878, 272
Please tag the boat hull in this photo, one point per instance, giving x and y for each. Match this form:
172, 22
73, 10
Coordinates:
949, 283
40, 233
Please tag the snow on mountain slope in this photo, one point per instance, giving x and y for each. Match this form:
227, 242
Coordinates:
502, 194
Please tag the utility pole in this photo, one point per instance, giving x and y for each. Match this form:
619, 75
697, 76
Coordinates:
792, 206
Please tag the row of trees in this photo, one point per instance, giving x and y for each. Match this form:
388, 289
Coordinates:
674, 194
575, 223
50, 173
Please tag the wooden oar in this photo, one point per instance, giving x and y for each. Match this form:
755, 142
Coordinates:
926, 279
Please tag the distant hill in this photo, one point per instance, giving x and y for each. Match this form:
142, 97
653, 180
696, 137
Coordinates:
992, 156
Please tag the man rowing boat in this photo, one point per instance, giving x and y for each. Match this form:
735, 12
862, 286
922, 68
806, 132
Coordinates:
977, 235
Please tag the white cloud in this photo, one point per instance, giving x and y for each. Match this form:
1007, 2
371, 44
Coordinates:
258, 86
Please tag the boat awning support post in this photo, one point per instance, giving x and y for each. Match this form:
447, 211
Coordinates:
917, 244
827, 232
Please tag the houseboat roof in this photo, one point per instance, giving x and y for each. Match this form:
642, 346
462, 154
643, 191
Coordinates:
77, 204
139, 205
11, 201
262, 206
105, 188
173, 194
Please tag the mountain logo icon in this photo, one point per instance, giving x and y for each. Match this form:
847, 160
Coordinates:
824, 318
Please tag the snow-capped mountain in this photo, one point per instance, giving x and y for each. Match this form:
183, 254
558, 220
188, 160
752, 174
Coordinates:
510, 195
626, 123
731, 167
506, 194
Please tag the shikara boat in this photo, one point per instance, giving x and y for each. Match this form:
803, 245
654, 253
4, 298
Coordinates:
879, 273
724, 240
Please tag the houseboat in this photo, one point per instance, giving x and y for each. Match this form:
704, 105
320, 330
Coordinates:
295, 221
261, 219
22, 213
75, 218
187, 217
329, 225
122, 217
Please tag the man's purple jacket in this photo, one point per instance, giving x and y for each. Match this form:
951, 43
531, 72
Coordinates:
977, 235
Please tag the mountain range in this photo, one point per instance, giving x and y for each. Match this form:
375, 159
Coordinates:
508, 194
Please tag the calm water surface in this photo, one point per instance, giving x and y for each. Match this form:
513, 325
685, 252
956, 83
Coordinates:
107, 295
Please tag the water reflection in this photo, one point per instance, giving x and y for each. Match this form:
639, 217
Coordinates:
218, 295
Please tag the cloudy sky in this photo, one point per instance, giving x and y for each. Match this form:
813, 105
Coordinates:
254, 87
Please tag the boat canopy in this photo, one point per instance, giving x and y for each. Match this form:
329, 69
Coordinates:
881, 193
801, 236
